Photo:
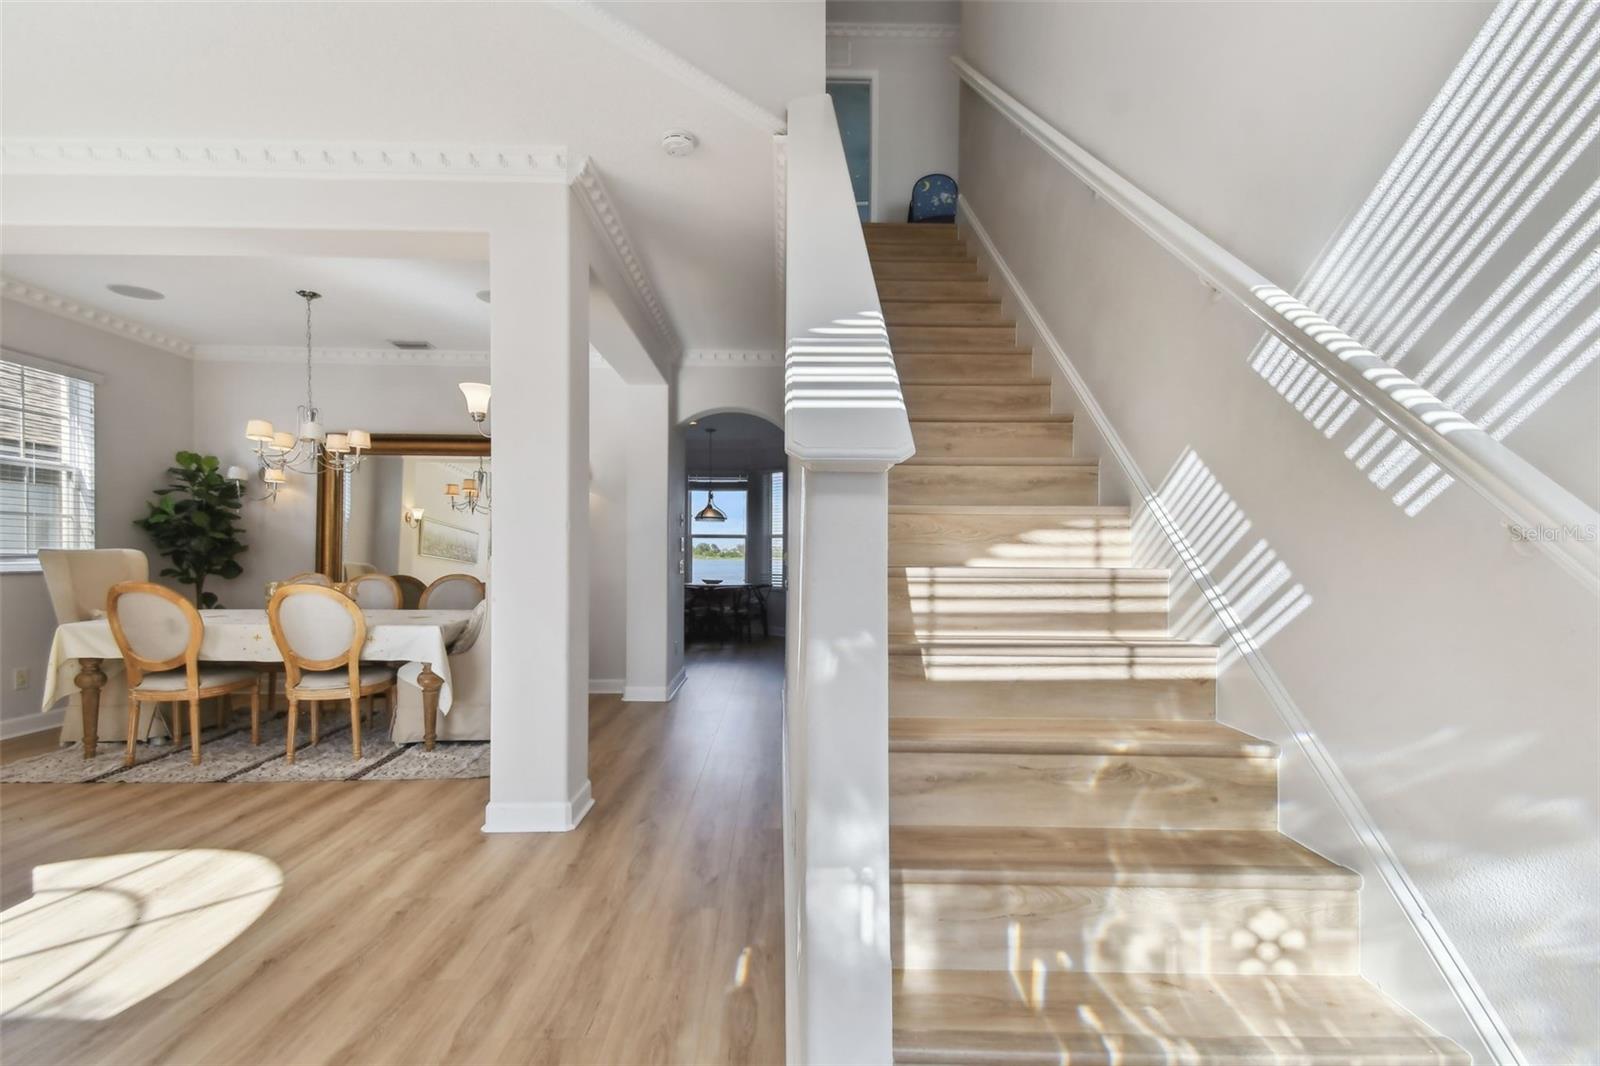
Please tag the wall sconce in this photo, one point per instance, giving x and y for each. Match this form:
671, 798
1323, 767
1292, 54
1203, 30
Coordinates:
412, 516
238, 476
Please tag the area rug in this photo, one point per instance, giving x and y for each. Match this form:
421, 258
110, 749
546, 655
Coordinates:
227, 756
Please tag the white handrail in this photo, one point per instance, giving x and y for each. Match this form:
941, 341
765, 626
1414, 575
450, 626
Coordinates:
845, 425
1520, 491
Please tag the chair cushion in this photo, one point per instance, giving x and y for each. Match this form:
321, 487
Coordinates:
327, 680
210, 677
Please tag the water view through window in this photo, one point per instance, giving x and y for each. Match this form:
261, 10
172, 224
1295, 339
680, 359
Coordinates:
718, 548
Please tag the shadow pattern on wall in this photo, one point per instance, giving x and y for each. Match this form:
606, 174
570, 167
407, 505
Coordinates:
1502, 153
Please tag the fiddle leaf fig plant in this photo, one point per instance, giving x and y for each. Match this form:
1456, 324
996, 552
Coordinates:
194, 521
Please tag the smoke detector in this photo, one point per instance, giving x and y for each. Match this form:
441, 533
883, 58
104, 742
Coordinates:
678, 143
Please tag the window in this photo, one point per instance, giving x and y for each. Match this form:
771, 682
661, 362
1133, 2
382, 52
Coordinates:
775, 498
46, 463
717, 549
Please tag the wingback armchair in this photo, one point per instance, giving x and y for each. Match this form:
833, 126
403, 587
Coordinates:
469, 690
78, 582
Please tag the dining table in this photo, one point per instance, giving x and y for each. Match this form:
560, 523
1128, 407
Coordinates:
725, 595
420, 639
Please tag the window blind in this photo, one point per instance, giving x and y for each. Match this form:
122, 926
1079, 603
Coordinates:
46, 463
775, 509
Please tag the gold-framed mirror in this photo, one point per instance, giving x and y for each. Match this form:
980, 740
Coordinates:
334, 495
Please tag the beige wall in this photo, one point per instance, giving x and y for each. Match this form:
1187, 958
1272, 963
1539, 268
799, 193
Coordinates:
143, 416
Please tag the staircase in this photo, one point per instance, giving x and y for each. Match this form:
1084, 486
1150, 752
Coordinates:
1086, 864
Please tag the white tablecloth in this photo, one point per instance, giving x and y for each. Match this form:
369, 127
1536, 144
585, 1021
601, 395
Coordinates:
243, 636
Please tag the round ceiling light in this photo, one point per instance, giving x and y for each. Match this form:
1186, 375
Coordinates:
137, 292
483, 294
678, 143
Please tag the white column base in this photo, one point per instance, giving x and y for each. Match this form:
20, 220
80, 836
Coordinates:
655, 693
538, 817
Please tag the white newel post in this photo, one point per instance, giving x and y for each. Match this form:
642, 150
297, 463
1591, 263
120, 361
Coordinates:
539, 364
845, 427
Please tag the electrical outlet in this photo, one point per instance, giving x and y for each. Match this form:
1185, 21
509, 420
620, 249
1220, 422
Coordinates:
19, 679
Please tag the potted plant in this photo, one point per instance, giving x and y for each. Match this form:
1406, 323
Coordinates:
194, 521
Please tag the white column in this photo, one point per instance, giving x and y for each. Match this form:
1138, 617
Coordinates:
539, 364
654, 673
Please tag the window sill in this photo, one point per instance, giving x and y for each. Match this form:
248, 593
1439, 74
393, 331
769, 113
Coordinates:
20, 566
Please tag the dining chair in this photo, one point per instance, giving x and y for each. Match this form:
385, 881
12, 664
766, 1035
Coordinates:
411, 590
453, 592
310, 577
375, 592
78, 580
355, 570
159, 633
320, 633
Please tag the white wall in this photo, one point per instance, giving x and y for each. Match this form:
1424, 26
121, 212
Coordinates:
916, 112
1449, 673
608, 545
143, 416
754, 390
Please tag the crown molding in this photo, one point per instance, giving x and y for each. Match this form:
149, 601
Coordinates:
647, 48
317, 159
904, 31
603, 212
718, 358
288, 353
89, 315
780, 206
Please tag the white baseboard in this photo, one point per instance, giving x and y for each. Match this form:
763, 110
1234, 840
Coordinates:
606, 686
655, 693
1380, 854
24, 724
538, 817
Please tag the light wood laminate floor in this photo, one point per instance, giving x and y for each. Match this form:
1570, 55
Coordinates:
401, 934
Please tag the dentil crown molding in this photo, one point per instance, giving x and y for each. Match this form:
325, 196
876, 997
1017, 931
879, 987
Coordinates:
286, 159
247, 353
907, 31
712, 357
604, 214
75, 311
664, 59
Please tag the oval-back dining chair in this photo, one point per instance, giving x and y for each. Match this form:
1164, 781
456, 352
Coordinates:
310, 577
453, 592
411, 590
159, 633
375, 592
320, 633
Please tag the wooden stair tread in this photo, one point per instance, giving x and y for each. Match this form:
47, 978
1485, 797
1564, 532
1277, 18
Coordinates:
1076, 736
1067, 648
1096, 856
1080, 510
1032, 574
1148, 1019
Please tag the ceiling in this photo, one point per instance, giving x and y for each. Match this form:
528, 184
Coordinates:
464, 74
242, 301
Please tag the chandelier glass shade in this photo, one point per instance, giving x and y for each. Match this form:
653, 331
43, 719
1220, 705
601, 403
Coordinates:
308, 449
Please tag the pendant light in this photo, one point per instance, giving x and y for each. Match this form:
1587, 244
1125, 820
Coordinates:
710, 512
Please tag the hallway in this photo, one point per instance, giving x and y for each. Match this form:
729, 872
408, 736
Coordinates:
652, 933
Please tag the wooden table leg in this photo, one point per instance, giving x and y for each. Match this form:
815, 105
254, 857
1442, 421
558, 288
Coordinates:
90, 680
430, 683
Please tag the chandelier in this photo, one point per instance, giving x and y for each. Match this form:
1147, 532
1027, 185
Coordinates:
471, 494
309, 449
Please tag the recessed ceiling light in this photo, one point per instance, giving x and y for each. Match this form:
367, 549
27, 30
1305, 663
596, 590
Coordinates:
137, 292
484, 295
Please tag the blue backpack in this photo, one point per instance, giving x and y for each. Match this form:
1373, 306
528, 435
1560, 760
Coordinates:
933, 199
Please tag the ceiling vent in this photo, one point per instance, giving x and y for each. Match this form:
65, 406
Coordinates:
412, 346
